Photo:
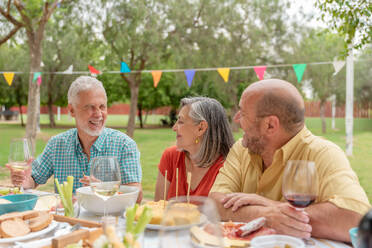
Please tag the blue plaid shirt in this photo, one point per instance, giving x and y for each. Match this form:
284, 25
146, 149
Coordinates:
63, 156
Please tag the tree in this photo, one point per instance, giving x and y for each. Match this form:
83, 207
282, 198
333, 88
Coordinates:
33, 16
16, 94
350, 18
319, 45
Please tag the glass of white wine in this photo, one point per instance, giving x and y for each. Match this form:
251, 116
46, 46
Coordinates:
20, 155
105, 178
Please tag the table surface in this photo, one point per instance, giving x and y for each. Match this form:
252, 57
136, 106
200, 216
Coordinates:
151, 237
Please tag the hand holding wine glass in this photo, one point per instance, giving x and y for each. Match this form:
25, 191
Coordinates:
20, 159
105, 178
300, 185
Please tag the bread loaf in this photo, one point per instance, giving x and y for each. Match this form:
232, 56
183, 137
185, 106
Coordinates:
40, 222
13, 228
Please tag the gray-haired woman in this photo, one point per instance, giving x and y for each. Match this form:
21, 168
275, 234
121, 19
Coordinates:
203, 141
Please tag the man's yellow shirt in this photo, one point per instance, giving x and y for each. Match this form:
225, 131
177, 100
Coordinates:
338, 183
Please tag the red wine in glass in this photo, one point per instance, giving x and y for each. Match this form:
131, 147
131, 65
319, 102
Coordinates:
300, 201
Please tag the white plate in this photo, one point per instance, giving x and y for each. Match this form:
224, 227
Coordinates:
30, 235
203, 219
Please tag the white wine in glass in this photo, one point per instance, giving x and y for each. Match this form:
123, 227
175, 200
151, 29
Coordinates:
105, 178
20, 155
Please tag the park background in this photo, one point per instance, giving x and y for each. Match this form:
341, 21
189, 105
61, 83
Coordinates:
46, 44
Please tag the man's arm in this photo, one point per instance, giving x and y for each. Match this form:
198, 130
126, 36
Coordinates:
331, 222
139, 198
280, 216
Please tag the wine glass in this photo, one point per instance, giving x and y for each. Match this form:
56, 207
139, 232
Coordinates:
188, 220
105, 178
20, 155
300, 185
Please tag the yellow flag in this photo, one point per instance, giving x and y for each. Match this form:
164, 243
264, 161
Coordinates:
9, 77
224, 72
156, 75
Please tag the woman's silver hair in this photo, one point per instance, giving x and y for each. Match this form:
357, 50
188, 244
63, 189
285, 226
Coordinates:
218, 138
83, 83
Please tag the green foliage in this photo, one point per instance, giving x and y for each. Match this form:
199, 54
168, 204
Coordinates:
352, 19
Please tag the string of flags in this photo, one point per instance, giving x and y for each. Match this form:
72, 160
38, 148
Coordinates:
260, 71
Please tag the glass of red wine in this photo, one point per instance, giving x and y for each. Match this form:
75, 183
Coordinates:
300, 185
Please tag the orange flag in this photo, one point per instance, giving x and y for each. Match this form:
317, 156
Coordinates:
9, 77
156, 75
224, 72
93, 70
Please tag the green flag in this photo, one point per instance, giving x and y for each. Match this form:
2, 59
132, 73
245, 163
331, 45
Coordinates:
299, 70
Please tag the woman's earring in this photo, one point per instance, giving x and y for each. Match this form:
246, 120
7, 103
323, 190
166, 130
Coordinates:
196, 140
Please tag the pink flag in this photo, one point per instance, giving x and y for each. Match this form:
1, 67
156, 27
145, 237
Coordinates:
260, 71
39, 80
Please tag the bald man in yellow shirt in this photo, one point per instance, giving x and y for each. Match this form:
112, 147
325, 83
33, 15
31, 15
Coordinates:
249, 185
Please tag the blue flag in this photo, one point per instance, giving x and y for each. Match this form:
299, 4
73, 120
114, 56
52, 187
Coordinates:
189, 76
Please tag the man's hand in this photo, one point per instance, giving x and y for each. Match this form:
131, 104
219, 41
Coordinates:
280, 216
22, 177
287, 220
237, 200
85, 180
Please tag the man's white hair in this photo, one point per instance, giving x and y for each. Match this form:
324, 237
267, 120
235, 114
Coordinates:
83, 83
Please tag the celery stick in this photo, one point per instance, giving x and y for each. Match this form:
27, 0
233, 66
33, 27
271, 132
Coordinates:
130, 214
143, 220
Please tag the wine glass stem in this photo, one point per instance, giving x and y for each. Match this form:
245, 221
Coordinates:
104, 208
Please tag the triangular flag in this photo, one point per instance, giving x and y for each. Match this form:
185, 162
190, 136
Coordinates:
224, 72
69, 70
9, 77
36, 75
338, 66
93, 70
124, 68
189, 76
260, 71
39, 80
299, 70
156, 75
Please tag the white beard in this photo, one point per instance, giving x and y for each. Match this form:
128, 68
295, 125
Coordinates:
88, 131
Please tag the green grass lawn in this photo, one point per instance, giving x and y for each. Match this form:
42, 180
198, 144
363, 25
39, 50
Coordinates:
152, 142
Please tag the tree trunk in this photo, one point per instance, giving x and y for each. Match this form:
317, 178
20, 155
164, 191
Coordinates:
21, 114
139, 106
322, 116
33, 106
134, 90
52, 122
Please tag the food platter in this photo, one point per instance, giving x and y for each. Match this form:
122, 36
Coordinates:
203, 219
30, 235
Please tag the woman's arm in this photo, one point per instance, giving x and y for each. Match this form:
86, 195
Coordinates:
159, 189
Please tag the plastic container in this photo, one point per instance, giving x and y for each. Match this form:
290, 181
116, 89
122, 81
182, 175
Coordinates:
20, 202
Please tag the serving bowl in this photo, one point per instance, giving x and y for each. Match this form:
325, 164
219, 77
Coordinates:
271, 241
115, 205
354, 236
20, 202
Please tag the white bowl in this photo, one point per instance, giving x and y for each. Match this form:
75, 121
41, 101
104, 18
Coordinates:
271, 241
115, 205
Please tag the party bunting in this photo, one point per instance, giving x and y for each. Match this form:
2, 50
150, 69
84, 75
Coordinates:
124, 68
36, 76
189, 76
93, 70
299, 70
224, 73
9, 77
260, 71
156, 75
69, 70
338, 65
